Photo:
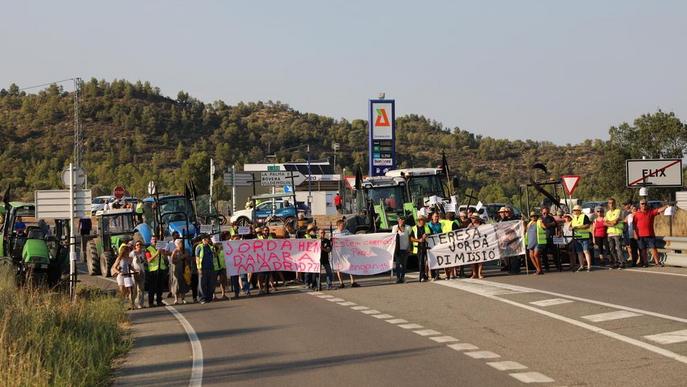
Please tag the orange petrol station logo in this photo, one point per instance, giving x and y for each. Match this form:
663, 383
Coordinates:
382, 118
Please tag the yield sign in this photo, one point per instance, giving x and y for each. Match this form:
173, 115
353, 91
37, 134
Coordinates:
570, 183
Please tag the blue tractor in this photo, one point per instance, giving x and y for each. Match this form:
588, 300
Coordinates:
165, 214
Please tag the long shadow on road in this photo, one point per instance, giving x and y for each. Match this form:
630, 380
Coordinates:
163, 339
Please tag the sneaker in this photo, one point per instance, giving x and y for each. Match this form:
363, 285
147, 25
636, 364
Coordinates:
580, 268
202, 301
342, 286
355, 285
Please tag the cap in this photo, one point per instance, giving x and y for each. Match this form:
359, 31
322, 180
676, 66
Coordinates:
258, 229
421, 217
475, 215
577, 207
532, 213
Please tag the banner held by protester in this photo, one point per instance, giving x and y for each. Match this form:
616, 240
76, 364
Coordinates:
485, 243
363, 254
260, 255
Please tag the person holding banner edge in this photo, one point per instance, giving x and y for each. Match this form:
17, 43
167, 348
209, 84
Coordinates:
477, 267
339, 232
325, 249
418, 236
402, 245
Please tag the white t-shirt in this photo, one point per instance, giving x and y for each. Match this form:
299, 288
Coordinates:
403, 236
139, 261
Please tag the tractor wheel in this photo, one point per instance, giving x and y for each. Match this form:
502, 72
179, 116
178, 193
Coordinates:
243, 221
106, 261
92, 260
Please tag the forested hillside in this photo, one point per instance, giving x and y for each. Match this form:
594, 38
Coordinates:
133, 134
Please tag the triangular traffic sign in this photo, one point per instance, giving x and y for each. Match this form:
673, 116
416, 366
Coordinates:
570, 183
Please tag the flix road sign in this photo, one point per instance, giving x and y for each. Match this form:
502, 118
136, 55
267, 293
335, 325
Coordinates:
570, 183
654, 173
280, 178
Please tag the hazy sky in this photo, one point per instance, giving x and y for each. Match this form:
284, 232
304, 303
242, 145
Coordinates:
551, 70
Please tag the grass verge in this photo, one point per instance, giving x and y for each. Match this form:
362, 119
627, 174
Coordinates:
46, 340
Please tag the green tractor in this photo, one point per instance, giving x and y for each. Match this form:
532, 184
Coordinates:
38, 256
114, 228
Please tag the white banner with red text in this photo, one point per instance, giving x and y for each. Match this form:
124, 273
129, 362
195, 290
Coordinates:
259, 255
363, 254
485, 243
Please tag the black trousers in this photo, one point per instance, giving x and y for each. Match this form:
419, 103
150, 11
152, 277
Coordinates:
422, 261
155, 280
401, 264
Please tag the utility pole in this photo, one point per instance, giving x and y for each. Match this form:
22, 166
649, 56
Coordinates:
233, 189
212, 180
78, 136
309, 183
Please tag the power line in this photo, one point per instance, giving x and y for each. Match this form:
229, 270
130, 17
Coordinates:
46, 84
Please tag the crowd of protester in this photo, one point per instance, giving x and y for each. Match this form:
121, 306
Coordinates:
612, 237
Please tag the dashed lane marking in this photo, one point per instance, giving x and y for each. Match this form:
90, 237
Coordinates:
382, 316
609, 316
507, 365
324, 296
397, 321
551, 302
427, 332
347, 303
335, 299
669, 337
463, 347
371, 311
359, 307
443, 339
411, 326
483, 355
531, 377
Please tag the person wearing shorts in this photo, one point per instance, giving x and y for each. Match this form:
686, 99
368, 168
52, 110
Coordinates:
644, 231
122, 269
580, 225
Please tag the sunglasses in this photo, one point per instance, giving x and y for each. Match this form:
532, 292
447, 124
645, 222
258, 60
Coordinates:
642, 204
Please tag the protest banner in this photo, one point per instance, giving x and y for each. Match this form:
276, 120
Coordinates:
363, 254
487, 242
258, 255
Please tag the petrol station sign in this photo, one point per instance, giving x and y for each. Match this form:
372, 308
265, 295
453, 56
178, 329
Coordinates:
382, 136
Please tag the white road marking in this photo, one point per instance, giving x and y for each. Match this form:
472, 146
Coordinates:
347, 303
443, 339
370, 311
411, 326
382, 316
531, 377
463, 347
580, 324
359, 307
325, 296
657, 272
551, 302
669, 337
617, 315
427, 332
397, 321
314, 293
196, 379
582, 299
507, 365
483, 355
335, 299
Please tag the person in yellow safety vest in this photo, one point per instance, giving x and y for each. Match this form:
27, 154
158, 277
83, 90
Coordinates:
207, 269
418, 235
139, 211
532, 238
156, 273
581, 231
219, 262
614, 221
448, 225
542, 244
310, 279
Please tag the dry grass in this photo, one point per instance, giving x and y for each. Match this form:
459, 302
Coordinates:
46, 340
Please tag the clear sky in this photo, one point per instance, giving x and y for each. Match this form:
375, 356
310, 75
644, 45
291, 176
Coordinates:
561, 71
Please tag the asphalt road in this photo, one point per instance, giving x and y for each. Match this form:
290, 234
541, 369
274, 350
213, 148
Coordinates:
602, 328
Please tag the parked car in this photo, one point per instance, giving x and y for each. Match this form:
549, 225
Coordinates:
264, 210
98, 203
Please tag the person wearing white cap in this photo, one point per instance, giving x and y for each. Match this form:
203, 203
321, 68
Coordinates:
581, 231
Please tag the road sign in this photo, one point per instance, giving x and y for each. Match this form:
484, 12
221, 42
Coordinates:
570, 183
79, 177
152, 190
654, 173
242, 179
273, 168
54, 204
280, 178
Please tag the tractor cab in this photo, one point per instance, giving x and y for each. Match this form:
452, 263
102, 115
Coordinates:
388, 197
422, 184
115, 227
165, 215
